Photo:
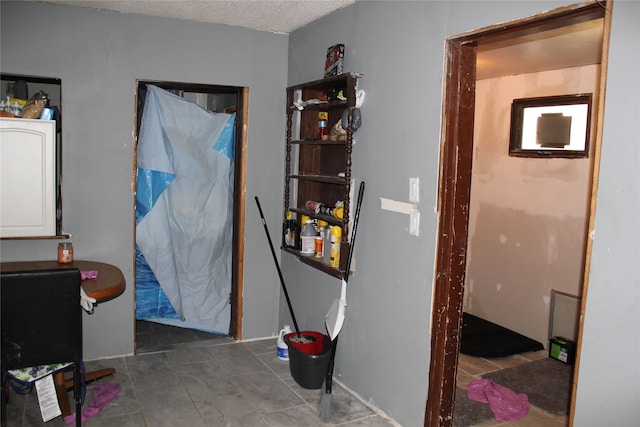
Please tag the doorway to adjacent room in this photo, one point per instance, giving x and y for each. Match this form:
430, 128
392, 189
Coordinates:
227, 107
455, 184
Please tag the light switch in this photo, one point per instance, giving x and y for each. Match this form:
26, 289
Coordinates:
414, 190
414, 223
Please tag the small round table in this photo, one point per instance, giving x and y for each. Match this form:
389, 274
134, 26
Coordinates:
108, 285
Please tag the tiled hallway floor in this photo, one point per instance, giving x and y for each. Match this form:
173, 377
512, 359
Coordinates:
154, 337
207, 383
472, 368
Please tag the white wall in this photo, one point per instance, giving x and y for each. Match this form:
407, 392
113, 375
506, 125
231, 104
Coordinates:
527, 219
383, 352
98, 56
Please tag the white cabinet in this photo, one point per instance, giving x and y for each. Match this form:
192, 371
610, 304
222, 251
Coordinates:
27, 178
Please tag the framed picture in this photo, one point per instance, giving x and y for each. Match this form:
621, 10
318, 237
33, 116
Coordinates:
552, 126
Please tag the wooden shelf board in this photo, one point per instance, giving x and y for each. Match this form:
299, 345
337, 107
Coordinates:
316, 263
326, 179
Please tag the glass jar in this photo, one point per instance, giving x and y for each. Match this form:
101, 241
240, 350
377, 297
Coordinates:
65, 252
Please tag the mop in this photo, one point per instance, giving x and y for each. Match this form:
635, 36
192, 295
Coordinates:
335, 319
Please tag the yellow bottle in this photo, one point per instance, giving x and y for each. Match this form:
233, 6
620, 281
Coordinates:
336, 238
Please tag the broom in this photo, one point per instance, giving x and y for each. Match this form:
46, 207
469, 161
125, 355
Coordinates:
325, 393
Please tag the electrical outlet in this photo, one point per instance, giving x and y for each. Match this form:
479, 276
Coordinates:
414, 190
414, 223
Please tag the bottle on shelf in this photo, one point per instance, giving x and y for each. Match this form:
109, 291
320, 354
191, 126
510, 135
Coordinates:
317, 251
336, 238
323, 132
322, 227
326, 255
319, 243
17, 109
308, 238
291, 232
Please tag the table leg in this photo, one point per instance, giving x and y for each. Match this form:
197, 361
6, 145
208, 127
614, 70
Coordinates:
61, 392
90, 377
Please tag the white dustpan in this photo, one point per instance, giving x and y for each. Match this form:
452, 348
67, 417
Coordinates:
335, 316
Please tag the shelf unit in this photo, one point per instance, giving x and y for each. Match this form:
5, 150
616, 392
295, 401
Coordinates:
318, 169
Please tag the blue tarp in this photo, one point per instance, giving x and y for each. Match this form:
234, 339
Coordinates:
184, 204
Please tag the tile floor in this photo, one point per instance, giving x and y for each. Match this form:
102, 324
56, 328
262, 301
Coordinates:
472, 368
189, 378
205, 382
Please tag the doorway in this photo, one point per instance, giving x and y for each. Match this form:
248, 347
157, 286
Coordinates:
217, 99
455, 190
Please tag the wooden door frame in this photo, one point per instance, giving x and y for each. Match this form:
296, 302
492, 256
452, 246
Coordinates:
240, 175
239, 209
455, 190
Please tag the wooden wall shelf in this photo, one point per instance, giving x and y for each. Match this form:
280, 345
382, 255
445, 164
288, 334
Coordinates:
319, 169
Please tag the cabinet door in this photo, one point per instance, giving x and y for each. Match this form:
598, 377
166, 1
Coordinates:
27, 178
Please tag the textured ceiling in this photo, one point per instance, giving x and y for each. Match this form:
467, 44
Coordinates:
265, 15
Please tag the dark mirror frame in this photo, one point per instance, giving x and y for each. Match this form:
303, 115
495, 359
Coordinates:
576, 124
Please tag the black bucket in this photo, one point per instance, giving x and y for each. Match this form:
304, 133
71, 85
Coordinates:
309, 370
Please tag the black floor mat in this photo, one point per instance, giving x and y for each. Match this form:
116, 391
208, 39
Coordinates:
481, 338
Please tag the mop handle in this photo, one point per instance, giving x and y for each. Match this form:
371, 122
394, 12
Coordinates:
356, 217
275, 259
332, 359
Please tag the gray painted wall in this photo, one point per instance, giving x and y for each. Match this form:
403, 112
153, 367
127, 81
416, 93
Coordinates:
98, 56
384, 346
613, 297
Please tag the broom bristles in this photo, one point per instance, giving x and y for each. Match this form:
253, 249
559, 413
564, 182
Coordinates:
325, 407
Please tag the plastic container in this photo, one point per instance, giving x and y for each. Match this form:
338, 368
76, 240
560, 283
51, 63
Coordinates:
326, 246
323, 131
318, 248
309, 363
283, 349
336, 239
308, 237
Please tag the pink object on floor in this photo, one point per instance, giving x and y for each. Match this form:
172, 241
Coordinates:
102, 395
505, 404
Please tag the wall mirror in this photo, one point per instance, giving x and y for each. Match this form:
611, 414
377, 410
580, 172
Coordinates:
552, 126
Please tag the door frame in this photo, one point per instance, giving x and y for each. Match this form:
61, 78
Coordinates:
455, 191
239, 186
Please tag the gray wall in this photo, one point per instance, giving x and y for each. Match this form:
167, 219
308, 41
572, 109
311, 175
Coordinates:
613, 296
384, 346
98, 56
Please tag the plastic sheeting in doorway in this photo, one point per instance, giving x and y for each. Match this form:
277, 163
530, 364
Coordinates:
184, 203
